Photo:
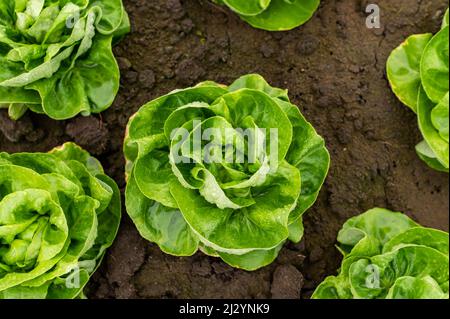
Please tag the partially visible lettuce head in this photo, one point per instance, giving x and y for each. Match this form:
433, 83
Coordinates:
56, 56
273, 15
418, 71
58, 214
227, 170
389, 256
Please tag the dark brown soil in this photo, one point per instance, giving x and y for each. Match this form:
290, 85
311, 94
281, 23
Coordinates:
334, 69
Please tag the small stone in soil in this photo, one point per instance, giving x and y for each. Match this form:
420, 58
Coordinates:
14, 131
287, 283
147, 78
89, 133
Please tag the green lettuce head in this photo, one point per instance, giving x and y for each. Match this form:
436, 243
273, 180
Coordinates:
418, 71
389, 256
56, 56
227, 170
273, 15
58, 214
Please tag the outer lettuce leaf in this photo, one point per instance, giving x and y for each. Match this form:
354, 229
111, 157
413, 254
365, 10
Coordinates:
427, 155
273, 15
250, 7
403, 69
379, 224
387, 255
439, 117
157, 223
252, 260
56, 56
58, 215
445, 20
242, 213
92, 85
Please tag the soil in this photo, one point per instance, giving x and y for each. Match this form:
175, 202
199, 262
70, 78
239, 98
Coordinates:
334, 68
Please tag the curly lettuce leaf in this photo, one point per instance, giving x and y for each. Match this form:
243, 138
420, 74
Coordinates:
57, 56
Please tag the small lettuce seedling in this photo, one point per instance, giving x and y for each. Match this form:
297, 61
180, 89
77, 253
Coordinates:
227, 170
58, 214
418, 72
56, 56
273, 15
389, 256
